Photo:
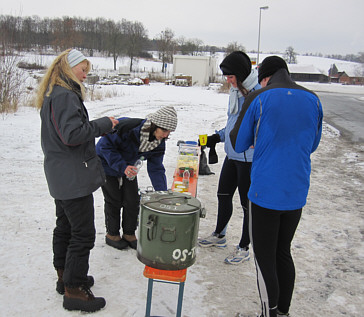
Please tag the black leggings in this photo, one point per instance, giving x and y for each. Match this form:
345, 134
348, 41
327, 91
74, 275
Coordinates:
234, 174
271, 233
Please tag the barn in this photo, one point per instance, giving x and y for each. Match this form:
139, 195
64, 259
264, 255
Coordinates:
307, 73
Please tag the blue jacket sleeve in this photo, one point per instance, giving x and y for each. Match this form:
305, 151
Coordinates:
319, 127
157, 172
221, 134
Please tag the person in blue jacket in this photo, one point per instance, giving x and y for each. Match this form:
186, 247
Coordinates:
135, 138
284, 122
235, 172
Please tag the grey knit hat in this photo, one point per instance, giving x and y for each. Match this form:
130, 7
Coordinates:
75, 57
165, 118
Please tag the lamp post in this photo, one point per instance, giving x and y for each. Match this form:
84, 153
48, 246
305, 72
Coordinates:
260, 18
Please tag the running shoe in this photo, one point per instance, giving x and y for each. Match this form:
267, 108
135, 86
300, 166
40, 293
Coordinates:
239, 256
213, 241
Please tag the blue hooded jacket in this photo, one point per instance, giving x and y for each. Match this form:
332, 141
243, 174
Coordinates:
246, 156
284, 122
118, 150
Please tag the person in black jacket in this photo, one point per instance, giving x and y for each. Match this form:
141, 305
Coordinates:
73, 172
119, 152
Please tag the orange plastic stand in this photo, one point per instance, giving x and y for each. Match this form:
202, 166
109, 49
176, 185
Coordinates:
156, 274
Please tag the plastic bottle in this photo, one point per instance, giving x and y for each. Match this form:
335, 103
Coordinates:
138, 165
186, 179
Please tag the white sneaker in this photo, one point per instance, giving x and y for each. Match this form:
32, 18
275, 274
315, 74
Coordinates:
239, 256
213, 240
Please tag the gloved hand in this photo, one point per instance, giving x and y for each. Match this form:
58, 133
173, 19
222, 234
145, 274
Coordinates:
211, 143
204, 168
212, 140
213, 158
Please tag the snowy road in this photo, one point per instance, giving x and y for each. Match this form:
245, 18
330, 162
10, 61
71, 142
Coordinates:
346, 113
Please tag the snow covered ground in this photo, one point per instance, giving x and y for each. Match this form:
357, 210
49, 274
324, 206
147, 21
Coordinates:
328, 247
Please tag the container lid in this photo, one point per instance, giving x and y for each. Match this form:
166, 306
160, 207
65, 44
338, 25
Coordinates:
170, 202
191, 142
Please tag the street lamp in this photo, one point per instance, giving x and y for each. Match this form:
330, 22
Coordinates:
260, 17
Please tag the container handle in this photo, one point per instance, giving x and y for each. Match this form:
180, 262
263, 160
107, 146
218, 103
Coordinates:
202, 212
151, 224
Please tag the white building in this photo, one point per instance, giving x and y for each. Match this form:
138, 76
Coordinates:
201, 68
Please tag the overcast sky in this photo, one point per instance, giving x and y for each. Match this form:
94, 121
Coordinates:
309, 26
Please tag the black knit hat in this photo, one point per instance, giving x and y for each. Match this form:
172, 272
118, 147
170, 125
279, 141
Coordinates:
270, 65
237, 63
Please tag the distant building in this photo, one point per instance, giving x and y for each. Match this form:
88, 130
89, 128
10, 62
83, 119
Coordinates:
347, 77
307, 73
202, 69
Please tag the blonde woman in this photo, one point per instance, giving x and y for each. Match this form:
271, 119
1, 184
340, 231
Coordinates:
73, 172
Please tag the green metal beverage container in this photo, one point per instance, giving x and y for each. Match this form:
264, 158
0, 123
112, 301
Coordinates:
168, 230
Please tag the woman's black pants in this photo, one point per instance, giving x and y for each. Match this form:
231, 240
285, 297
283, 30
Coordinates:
73, 238
234, 175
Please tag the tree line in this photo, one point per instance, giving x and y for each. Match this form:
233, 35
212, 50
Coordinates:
115, 39
120, 38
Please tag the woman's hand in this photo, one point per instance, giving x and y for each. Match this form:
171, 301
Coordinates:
130, 171
113, 121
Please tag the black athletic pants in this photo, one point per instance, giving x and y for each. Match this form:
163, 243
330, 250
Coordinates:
271, 233
234, 174
116, 197
73, 238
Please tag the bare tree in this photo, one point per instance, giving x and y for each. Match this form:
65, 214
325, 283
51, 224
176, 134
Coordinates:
11, 82
290, 56
182, 46
234, 46
101, 38
115, 40
135, 36
212, 49
196, 46
361, 57
359, 71
44, 33
190, 47
166, 46
9, 35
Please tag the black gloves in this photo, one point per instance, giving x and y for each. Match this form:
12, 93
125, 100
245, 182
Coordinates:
211, 143
204, 168
212, 140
